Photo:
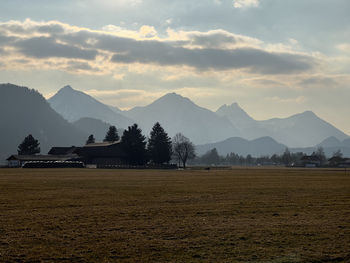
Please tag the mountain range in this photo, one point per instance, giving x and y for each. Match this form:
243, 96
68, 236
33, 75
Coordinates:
300, 130
267, 146
70, 116
180, 114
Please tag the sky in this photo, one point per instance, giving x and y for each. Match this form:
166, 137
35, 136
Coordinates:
274, 58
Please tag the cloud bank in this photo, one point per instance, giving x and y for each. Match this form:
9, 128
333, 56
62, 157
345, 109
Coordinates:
216, 50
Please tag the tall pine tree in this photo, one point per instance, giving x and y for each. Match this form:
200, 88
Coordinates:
91, 139
112, 135
134, 145
159, 145
29, 146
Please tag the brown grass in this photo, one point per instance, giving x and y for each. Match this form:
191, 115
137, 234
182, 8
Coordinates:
240, 215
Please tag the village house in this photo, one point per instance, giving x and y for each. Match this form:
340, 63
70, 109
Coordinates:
337, 161
310, 161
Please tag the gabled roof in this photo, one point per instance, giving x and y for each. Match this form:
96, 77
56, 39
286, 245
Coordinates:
103, 150
312, 158
101, 144
63, 150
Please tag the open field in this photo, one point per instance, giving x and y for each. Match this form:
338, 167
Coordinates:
240, 215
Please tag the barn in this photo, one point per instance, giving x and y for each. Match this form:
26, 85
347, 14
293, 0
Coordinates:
102, 155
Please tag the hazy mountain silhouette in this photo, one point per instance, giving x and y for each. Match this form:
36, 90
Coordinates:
178, 114
268, 146
330, 142
300, 130
74, 105
24, 111
256, 148
94, 126
236, 115
346, 142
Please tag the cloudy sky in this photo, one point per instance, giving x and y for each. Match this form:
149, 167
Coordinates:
275, 58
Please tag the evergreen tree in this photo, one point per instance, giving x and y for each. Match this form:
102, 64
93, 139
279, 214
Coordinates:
91, 139
159, 145
134, 145
111, 135
29, 146
210, 157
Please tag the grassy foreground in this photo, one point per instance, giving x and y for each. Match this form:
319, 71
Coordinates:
240, 215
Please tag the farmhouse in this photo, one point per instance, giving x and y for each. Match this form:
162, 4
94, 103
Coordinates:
311, 161
63, 150
106, 154
338, 161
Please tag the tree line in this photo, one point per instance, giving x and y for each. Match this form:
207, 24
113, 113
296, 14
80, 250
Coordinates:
158, 149
287, 158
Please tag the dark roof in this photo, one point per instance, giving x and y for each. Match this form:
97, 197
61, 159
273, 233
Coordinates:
106, 149
63, 150
311, 158
24, 158
101, 144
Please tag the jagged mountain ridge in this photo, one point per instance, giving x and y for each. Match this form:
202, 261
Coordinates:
300, 130
178, 114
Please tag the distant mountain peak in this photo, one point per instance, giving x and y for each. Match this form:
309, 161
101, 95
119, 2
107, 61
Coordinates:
68, 87
74, 104
173, 99
308, 113
172, 95
68, 90
235, 114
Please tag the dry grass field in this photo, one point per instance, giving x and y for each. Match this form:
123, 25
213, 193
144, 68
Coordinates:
239, 215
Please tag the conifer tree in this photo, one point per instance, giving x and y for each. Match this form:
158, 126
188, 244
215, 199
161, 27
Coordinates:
159, 145
91, 139
112, 135
29, 146
134, 145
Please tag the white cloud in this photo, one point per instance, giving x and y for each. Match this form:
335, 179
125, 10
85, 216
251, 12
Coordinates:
344, 47
245, 3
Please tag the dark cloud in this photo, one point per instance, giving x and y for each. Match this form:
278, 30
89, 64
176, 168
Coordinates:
319, 81
213, 40
78, 65
170, 54
213, 54
51, 29
255, 60
44, 47
4, 40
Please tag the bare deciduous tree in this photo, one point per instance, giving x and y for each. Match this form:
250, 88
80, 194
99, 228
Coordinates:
183, 149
